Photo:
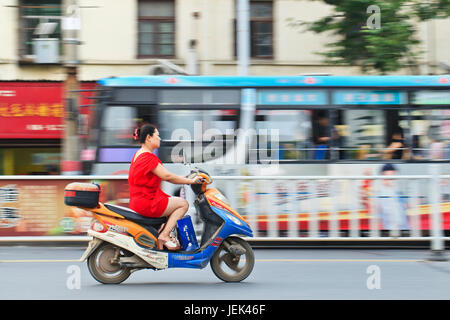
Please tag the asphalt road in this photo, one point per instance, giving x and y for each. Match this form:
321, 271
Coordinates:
279, 274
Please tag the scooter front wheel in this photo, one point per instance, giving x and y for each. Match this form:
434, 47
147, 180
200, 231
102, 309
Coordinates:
234, 260
104, 265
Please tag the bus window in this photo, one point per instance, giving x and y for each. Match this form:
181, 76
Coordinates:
398, 135
372, 134
117, 125
430, 131
294, 129
324, 135
362, 133
203, 135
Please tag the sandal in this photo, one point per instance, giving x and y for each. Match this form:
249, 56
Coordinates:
170, 245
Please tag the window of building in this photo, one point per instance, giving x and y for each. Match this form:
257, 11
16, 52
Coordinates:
40, 31
156, 29
261, 30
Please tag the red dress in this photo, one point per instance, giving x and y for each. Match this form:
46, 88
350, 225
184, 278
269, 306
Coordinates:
146, 196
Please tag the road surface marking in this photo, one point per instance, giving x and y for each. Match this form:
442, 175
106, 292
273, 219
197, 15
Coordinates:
339, 260
36, 261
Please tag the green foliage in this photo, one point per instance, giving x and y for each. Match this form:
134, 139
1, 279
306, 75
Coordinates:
384, 49
435, 9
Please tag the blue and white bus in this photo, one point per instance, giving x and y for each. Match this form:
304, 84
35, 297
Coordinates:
357, 115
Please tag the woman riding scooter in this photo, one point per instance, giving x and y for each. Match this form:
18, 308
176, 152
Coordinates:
146, 197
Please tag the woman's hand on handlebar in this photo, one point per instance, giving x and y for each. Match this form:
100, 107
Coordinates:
197, 179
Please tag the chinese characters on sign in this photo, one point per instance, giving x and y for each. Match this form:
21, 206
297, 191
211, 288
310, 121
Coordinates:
31, 110
9, 216
339, 97
369, 97
291, 97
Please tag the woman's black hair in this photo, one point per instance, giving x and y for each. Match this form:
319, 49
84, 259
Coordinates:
142, 132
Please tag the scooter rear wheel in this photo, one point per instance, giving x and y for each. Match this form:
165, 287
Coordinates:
229, 266
104, 268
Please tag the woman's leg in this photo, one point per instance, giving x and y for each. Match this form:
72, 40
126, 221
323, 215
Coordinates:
175, 210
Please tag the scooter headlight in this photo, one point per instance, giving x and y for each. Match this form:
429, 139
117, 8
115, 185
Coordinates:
234, 219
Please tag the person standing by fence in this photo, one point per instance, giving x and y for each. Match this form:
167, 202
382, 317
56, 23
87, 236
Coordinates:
391, 204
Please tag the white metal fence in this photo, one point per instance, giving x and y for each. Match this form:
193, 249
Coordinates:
305, 208
363, 208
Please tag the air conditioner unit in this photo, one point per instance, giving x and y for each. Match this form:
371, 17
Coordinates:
46, 50
157, 70
165, 67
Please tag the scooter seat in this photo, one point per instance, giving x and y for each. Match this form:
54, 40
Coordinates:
134, 216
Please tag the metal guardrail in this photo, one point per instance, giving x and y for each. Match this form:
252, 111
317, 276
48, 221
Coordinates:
314, 201
312, 195
423, 193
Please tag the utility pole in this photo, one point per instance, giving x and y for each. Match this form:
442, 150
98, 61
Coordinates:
70, 164
243, 36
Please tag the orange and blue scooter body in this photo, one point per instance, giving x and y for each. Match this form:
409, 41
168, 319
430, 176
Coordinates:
220, 222
126, 229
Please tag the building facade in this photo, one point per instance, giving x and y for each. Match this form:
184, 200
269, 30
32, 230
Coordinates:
127, 37
105, 38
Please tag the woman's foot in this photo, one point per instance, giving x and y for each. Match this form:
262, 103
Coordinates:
170, 244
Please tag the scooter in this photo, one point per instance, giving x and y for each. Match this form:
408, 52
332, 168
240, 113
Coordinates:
124, 241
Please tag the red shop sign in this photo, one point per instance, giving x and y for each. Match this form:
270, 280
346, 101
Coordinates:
32, 110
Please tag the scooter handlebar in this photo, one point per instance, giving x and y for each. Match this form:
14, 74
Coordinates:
204, 177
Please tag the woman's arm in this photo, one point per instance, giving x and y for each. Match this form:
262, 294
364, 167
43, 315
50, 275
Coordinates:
168, 176
392, 147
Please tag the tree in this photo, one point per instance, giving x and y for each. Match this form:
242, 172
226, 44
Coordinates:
384, 45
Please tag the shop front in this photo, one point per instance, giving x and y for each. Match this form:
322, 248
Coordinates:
32, 126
